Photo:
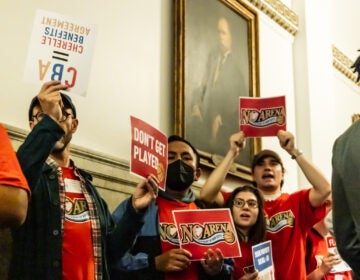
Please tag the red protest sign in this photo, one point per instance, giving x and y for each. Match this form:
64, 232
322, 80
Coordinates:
262, 116
203, 229
148, 151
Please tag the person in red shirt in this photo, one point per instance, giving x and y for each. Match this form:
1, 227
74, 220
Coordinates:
289, 216
14, 189
156, 252
247, 208
322, 259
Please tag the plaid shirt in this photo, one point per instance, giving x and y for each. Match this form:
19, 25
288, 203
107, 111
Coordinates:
94, 220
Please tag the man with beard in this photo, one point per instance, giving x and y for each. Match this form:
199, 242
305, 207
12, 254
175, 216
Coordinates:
289, 216
156, 253
68, 225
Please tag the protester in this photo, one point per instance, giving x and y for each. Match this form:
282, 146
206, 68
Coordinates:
247, 209
322, 259
289, 216
68, 225
346, 196
156, 253
14, 190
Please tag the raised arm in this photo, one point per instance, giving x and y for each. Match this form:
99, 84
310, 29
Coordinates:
210, 192
321, 187
129, 217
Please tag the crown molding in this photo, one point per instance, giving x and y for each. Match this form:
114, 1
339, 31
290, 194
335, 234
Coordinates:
343, 64
278, 12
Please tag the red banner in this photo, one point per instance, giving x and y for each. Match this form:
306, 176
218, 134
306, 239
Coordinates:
262, 116
200, 230
148, 151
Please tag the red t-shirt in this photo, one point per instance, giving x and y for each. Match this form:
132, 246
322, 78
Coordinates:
289, 218
10, 170
225, 195
169, 237
317, 246
77, 251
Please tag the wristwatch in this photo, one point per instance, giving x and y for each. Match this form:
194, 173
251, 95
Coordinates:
296, 154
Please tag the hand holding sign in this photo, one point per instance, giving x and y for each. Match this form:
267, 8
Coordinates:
213, 261
237, 142
173, 260
50, 99
145, 192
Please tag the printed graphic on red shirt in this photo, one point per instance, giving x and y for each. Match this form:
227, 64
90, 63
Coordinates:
77, 253
76, 209
279, 221
169, 236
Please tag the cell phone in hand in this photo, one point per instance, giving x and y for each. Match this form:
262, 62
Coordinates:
249, 269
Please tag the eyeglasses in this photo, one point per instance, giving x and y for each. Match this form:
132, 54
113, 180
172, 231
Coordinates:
65, 115
240, 203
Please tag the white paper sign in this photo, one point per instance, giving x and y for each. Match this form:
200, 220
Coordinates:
61, 48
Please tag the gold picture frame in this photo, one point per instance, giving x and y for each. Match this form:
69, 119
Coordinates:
208, 85
355, 118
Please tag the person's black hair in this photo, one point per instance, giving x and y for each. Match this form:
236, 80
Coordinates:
258, 231
173, 138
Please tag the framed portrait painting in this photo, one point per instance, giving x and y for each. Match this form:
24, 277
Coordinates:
216, 62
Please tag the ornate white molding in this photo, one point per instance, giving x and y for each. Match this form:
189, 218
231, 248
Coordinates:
279, 13
343, 64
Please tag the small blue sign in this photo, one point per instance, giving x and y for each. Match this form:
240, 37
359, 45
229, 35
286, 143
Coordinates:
262, 256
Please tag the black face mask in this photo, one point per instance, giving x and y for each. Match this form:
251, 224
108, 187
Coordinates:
180, 176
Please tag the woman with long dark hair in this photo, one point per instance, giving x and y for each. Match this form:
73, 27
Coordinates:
247, 208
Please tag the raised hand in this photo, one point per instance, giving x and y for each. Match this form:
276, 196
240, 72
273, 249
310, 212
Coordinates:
50, 99
328, 262
145, 192
237, 142
287, 141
